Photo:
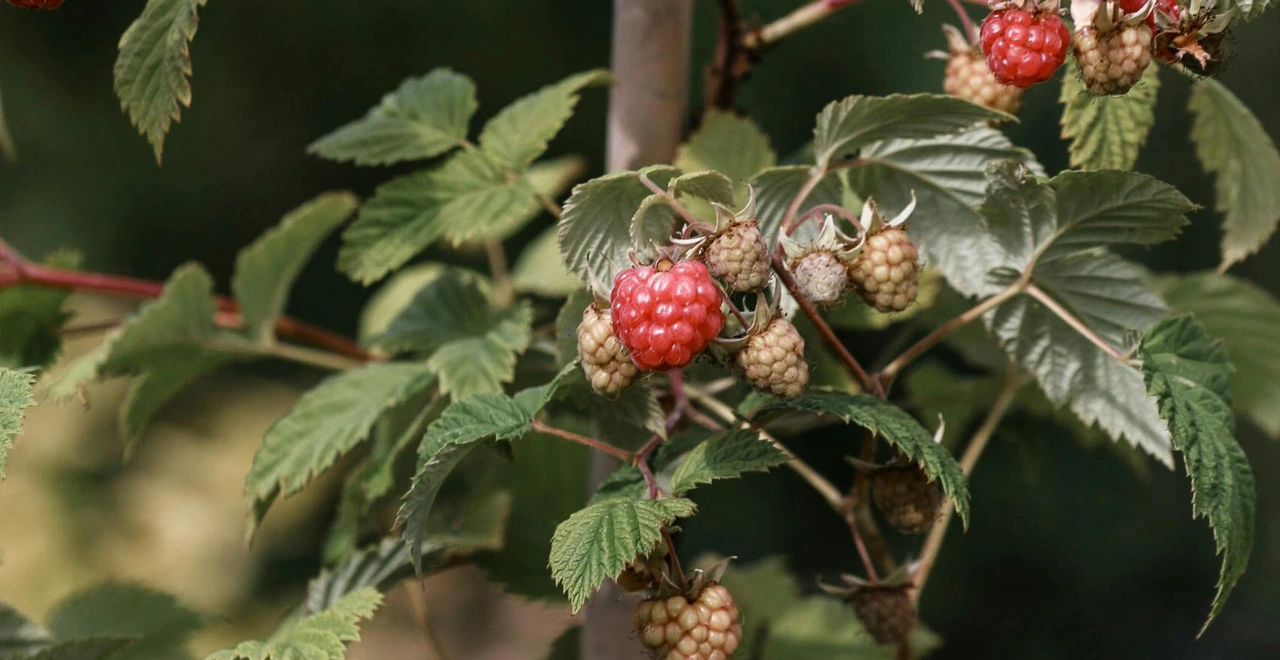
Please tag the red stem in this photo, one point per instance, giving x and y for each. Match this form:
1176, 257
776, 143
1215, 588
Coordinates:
19, 271
970, 32
583, 440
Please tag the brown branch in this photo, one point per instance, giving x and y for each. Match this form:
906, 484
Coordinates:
17, 271
732, 62
799, 19
981, 438
583, 440
1075, 323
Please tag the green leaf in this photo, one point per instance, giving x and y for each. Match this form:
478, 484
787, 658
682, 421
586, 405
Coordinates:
393, 296
596, 543
32, 318
1187, 372
266, 269
165, 344
423, 118
1106, 132
1232, 144
449, 439
159, 624
320, 636
776, 187
595, 230
466, 198
553, 177
708, 185
1244, 317
727, 143
15, 397
895, 426
624, 483
151, 73
19, 636
549, 482
519, 134
83, 649
1056, 230
478, 527
725, 456
472, 346
327, 422
947, 176
541, 271
850, 124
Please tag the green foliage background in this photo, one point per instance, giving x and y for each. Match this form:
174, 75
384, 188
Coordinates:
1067, 551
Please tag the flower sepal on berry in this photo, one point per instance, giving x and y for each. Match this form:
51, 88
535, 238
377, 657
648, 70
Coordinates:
1193, 36
771, 355
821, 266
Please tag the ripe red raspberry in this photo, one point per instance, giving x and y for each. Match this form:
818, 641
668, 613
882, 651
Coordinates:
885, 611
906, 498
773, 359
1024, 46
887, 271
676, 629
666, 314
1112, 62
738, 257
37, 4
608, 368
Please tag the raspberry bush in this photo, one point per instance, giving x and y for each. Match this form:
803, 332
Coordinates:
696, 315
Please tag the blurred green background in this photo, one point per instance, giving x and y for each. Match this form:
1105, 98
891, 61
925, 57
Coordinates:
1070, 554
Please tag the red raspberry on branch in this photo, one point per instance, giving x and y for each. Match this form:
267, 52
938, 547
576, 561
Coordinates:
667, 313
1025, 43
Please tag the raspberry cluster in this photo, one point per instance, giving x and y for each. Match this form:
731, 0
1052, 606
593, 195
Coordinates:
773, 359
608, 367
909, 502
676, 628
667, 313
1024, 45
887, 271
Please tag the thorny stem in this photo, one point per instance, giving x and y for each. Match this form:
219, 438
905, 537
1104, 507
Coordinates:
970, 32
811, 476
891, 370
981, 438
869, 384
498, 269
597, 445
1075, 323
17, 271
801, 18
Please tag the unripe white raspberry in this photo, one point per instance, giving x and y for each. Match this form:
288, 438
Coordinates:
773, 360
676, 628
821, 277
604, 360
887, 271
738, 257
1112, 62
968, 77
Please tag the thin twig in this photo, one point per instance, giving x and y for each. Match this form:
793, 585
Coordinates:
88, 329
981, 438
814, 179
970, 32
859, 505
597, 445
1075, 323
551, 206
869, 384
867, 565
826, 208
423, 619
498, 269
737, 313
811, 476
20, 272
675, 559
675, 204
891, 370
801, 18
731, 62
